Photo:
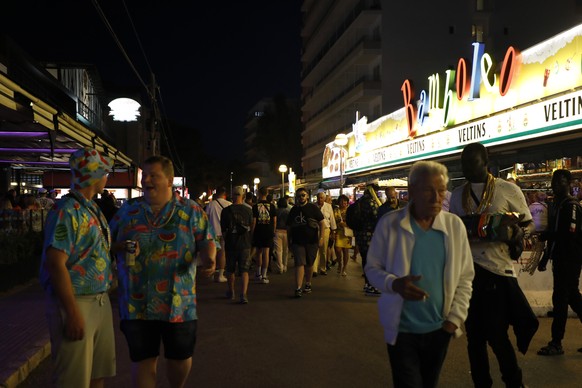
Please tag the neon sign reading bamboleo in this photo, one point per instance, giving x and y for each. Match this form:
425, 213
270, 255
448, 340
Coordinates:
537, 92
460, 85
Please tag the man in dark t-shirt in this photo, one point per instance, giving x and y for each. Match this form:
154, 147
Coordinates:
263, 231
304, 230
235, 223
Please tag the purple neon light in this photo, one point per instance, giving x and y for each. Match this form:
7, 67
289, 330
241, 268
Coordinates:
35, 163
39, 150
22, 134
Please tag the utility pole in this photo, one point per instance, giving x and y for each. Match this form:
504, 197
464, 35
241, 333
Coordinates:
154, 117
231, 185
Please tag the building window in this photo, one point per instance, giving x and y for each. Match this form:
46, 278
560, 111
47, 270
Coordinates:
477, 32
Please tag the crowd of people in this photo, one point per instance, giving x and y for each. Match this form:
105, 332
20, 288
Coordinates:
435, 277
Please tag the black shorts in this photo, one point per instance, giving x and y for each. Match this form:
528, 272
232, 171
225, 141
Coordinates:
143, 339
263, 236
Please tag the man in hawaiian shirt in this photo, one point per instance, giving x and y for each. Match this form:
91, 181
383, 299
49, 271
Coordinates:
157, 292
76, 274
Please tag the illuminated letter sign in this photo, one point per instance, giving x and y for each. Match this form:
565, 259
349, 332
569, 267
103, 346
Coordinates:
507, 70
462, 81
434, 96
408, 95
488, 72
422, 107
478, 50
448, 103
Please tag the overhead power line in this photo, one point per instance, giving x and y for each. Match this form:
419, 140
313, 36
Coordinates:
110, 29
166, 134
137, 37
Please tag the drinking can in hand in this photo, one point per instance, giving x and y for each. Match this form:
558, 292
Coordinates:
130, 249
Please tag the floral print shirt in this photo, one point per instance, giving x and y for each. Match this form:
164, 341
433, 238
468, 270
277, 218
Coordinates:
161, 285
77, 227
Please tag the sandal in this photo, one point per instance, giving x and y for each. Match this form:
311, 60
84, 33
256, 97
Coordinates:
551, 349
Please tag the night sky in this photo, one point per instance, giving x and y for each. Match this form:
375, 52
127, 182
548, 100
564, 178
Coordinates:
212, 60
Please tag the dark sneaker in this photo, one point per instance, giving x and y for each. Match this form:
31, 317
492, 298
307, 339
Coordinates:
551, 349
298, 293
322, 272
244, 299
372, 291
307, 289
366, 287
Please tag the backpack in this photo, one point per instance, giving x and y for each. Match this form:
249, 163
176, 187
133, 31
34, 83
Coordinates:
354, 215
264, 214
238, 225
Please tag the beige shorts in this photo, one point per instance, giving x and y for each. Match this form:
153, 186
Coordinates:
76, 363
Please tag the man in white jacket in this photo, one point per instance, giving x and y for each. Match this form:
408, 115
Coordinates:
420, 260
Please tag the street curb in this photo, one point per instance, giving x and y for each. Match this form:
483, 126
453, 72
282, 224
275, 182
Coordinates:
21, 368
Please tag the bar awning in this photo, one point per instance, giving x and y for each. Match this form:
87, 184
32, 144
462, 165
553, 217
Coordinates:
33, 132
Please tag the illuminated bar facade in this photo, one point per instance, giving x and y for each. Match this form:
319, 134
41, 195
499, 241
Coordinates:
523, 105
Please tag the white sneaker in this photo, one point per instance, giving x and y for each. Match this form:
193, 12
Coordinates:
220, 279
265, 280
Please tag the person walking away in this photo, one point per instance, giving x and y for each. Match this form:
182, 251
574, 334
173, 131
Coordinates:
157, 285
236, 225
263, 231
330, 255
321, 260
214, 211
497, 300
421, 261
369, 204
280, 244
43, 201
343, 243
304, 232
392, 202
108, 204
76, 275
539, 211
565, 250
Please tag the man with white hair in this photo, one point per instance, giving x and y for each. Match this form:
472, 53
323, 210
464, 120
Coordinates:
420, 260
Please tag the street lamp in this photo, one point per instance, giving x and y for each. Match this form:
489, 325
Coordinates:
256, 181
282, 170
340, 141
231, 185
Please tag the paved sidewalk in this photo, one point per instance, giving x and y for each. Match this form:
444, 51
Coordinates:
24, 339
330, 338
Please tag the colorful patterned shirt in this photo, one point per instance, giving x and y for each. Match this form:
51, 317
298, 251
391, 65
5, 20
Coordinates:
161, 285
77, 227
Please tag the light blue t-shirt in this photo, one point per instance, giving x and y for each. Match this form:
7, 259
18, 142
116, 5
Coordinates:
428, 260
